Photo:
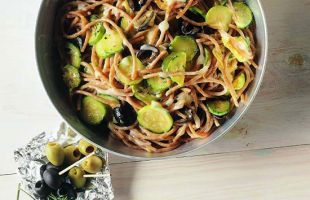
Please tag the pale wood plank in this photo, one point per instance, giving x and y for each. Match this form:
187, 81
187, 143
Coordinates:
256, 175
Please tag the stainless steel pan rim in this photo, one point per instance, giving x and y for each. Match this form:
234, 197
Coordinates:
45, 55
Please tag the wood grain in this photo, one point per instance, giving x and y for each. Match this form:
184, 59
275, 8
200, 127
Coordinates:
256, 175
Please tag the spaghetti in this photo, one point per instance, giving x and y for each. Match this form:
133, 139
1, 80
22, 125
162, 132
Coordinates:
216, 73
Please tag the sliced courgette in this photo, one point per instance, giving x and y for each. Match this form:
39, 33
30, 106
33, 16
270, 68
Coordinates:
239, 81
125, 69
175, 62
207, 56
124, 23
218, 107
110, 43
73, 55
222, 2
145, 98
243, 13
93, 112
142, 93
185, 44
155, 118
97, 31
158, 84
238, 46
71, 76
219, 17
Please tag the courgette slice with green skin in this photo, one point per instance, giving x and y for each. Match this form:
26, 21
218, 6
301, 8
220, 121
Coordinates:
243, 13
73, 54
219, 17
239, 81
158, 84
97, 32
143, 94
197, 11
124, 23
93, 112
125, 69
155, 118
207, 56
185, 44
93, 18
218, 107
110, 43
71, 76
145, 98
175, 62
222, 2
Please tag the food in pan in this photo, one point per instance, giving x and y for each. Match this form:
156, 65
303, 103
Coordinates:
157, 73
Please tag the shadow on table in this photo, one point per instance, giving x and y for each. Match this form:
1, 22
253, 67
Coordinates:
123, 175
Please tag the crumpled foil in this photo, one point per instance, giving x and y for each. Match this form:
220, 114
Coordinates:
30, 158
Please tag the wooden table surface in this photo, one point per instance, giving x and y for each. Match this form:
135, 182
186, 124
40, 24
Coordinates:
266, 156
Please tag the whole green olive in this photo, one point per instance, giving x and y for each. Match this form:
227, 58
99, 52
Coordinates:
76, 176
72, 154
93, 164
55, 153
85, 147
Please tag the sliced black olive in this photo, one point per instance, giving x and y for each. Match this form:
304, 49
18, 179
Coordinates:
175, 26
42, 169
189, 116
125, 115
68, 191
78, 41
52, 179
41, 189
208, 30
136, 5
189, 29
147, 53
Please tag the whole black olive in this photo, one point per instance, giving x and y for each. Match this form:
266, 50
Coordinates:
42, 169
147, 53
189, 29
41, 189
57, 168
125, 115
67, 190
52, 179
